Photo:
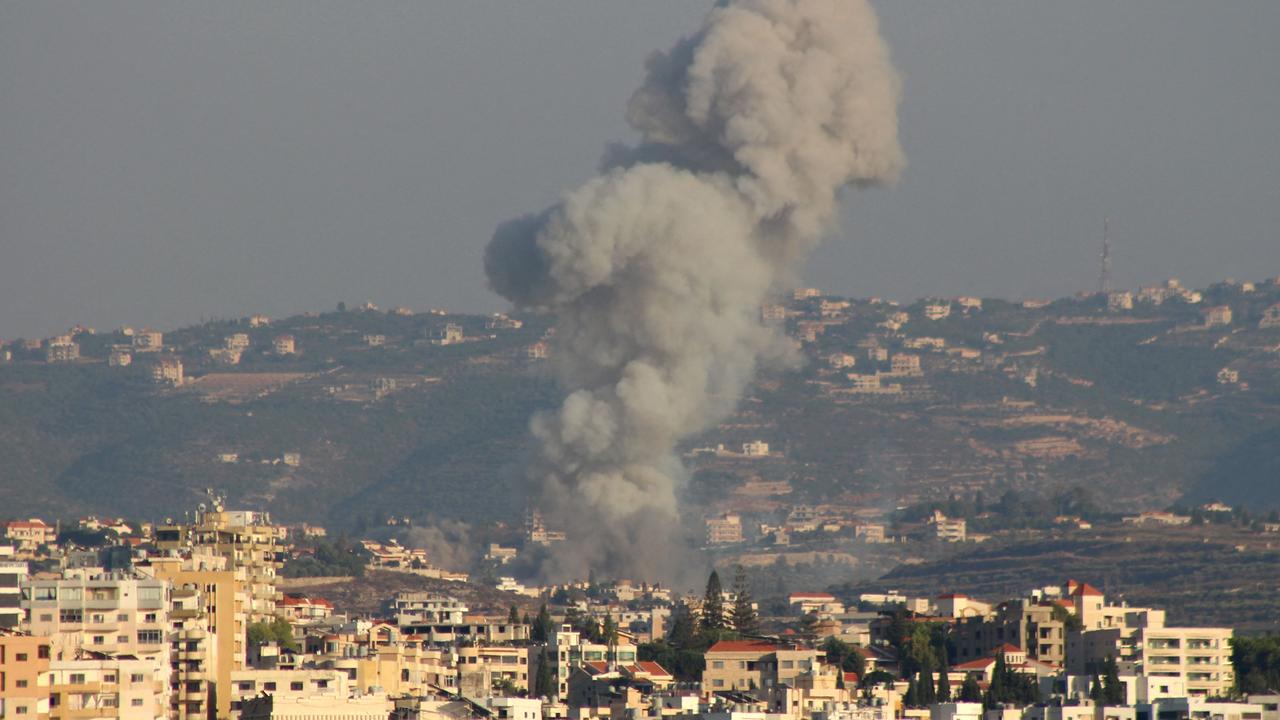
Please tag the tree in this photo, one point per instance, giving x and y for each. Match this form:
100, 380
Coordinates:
543, 683
513, 616
944, 682
682, 627
912, 698
844, 656
543, 626
610, 631
1112, 689
1095, 690
712, 605
925, 686
278, 631
743, 615
969, 690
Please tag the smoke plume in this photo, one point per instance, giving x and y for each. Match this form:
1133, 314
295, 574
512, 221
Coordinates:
657, 268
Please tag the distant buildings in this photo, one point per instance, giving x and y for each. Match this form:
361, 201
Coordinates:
937, 310
450, 334
1217, 315
148, 340
167, 371
724, 530
284, 345
62, 349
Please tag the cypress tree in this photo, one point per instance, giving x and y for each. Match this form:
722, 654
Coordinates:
969, 690
743, 615
944, 682
713, 605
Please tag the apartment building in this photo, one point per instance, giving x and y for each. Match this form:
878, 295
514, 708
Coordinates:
168, 371
148, 340
492, 665
13, 574
247, 540
284, 345
754, 666
111, 613
725, 529
569, 650
1034, 628
208, 627
24, 676
101, 686
1138, 639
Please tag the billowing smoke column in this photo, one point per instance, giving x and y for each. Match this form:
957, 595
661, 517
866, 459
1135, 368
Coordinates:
657, 268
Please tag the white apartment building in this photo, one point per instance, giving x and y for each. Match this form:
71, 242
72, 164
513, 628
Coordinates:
109, 613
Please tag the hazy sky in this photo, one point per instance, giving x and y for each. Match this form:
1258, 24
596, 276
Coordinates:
165, 161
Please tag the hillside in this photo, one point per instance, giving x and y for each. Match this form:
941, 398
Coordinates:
391, 413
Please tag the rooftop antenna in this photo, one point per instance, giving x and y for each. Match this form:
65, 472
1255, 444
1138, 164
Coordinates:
1104, 269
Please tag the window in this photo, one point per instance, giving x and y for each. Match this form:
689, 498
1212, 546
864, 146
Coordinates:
20, 709
109, 678
99, 618
717, 682
150, 617
717, 664
122, 617
46, 617
43, 652
122, 639
269, 686
45, 593
149, 593
20, 683
245, 686
296, 686
71, 615
20, 657
99, 640
149, 637
73, 593
137, 678
136, 702
76, 678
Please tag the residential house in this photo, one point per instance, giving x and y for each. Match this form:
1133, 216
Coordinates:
1217, 315
284, 345
148, 340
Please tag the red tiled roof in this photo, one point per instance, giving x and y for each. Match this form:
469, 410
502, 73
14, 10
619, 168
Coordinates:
851, 677
979, 664
743, 646
1087, 589
1009, 648
953, 596
596, 667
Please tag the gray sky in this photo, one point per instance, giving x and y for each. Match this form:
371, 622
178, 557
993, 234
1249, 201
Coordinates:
162, 162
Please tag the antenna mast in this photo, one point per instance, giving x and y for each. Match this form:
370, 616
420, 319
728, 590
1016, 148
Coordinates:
1104, 270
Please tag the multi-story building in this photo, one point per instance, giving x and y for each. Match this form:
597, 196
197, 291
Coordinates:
28, 535
725, 529
755, 666
119, 357
569, 650
62, 349
13, 575
167, 371
246, 539
427, 608
493, 665
207, 633
104, 686
108, 613
947, 529
24, 676
148, 340
284, 345
1033, 627
1138, 639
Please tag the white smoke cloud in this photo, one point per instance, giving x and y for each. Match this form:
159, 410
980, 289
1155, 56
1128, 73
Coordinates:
657, 268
